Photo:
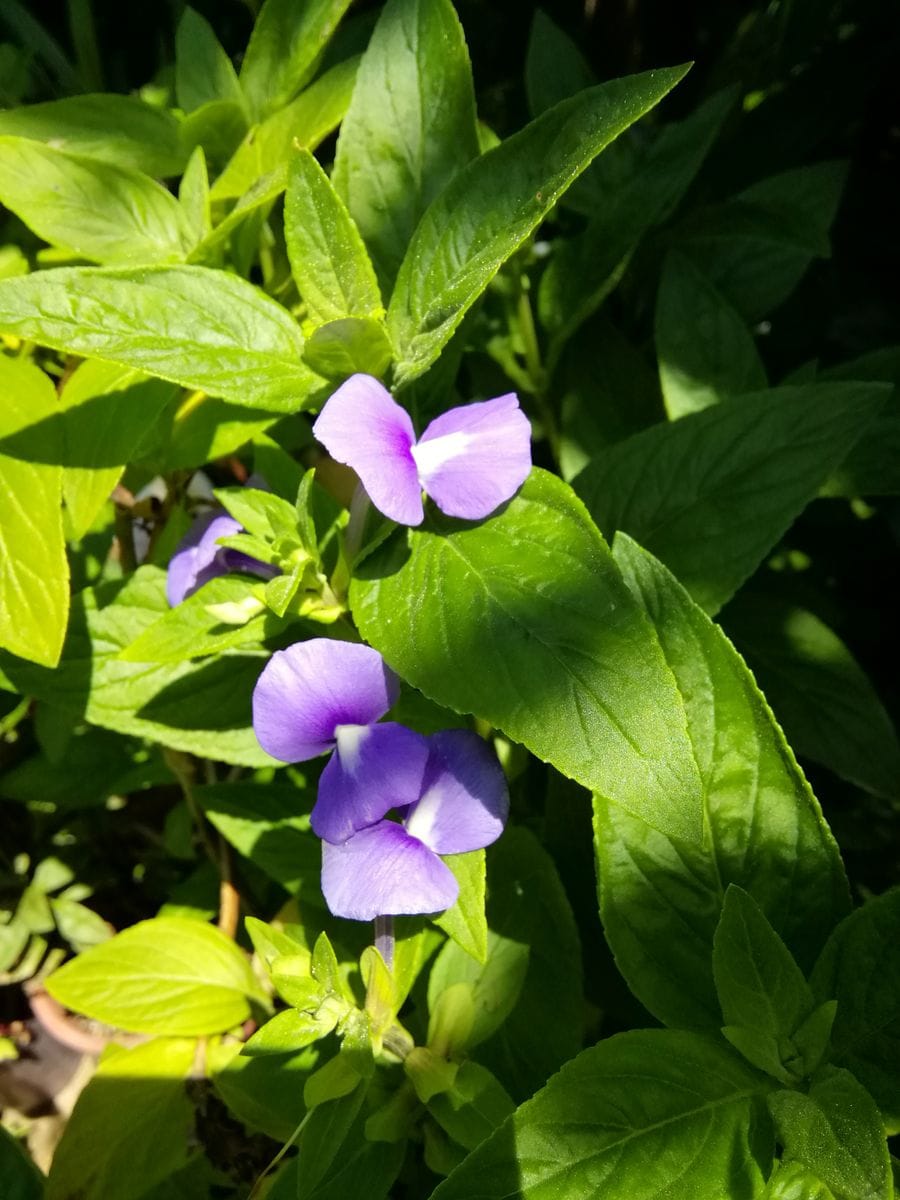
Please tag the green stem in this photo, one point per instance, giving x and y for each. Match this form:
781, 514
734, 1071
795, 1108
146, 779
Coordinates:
535, 368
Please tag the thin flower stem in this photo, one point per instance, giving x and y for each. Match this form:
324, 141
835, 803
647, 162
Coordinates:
254, 1191
359, 510
384, 939
536, 372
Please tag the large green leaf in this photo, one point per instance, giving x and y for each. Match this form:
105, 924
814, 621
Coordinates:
860, 968
203, 71
264, 1091
34, 573
102, 212
304, 122
712, 493
328, 259
661, 898
203, 708
491, 207
107, 410
820, 693
524, 620
625, 1120
200, 328
121, 130
131, 1127
20, 1176
410, 126
584, 269
872, 468
287, 42
706, 352
169, 975
835, 1129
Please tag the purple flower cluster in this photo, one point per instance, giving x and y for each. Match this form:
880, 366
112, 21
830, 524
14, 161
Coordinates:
448, 790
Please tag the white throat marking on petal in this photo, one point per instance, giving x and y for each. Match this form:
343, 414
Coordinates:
431, 455
349, 740
421, 821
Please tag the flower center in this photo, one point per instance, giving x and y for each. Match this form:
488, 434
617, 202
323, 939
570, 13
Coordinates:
429, 456
349, 740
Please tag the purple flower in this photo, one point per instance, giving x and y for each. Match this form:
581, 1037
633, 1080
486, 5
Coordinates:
198, 557
387, 868
469, 461
323, 695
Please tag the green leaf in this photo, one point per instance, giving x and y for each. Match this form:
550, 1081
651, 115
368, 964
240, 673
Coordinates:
203, 708
760, 987
660, 898
711, 494
872, 468
466, 922
757, 246
191, 631
131, 1127
203, 71
496, 985
200, 328
284, 48
584, 269
706, 352
356, 1169
262, 514
860, 968
21, 1178
288, 1032
343, 348
99, 211
167, 975
473, 1107
474, 615
554, 66
820, 694
328, 258
792, 1181
265, 1092
622, 1121
107, 412
121, 130
491, 207
324, 1144
835, 1129
34, 572
410, 127
193, 196
261, 196
269, 824
305, 122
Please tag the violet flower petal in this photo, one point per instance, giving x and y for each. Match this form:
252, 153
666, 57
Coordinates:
465, 800
382, 871
374, 768
361, 425
474, 458
307, 690
197, 556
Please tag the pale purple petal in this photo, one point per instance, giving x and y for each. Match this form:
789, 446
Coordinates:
310, 688
476, 457
374, 768
361, 425
465, 800
382, 871
198, 557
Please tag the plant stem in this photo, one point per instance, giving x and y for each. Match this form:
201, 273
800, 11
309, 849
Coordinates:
384, 939
535, 368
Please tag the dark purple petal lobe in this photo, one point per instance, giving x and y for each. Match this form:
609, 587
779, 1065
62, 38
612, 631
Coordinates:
198, 557
382, 871
361, 425
374, 768
465, 800
307, 690
474, 458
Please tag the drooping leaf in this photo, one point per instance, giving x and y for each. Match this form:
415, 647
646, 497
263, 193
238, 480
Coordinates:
820, 693
34, 572
104, 213
410, 126
285, 45
661, 898
168, 975
524, 621
131, 1127
200, 328
835, 1129
712, 493
860, 968
328, 259
706, 352
623, 1121
491, 207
